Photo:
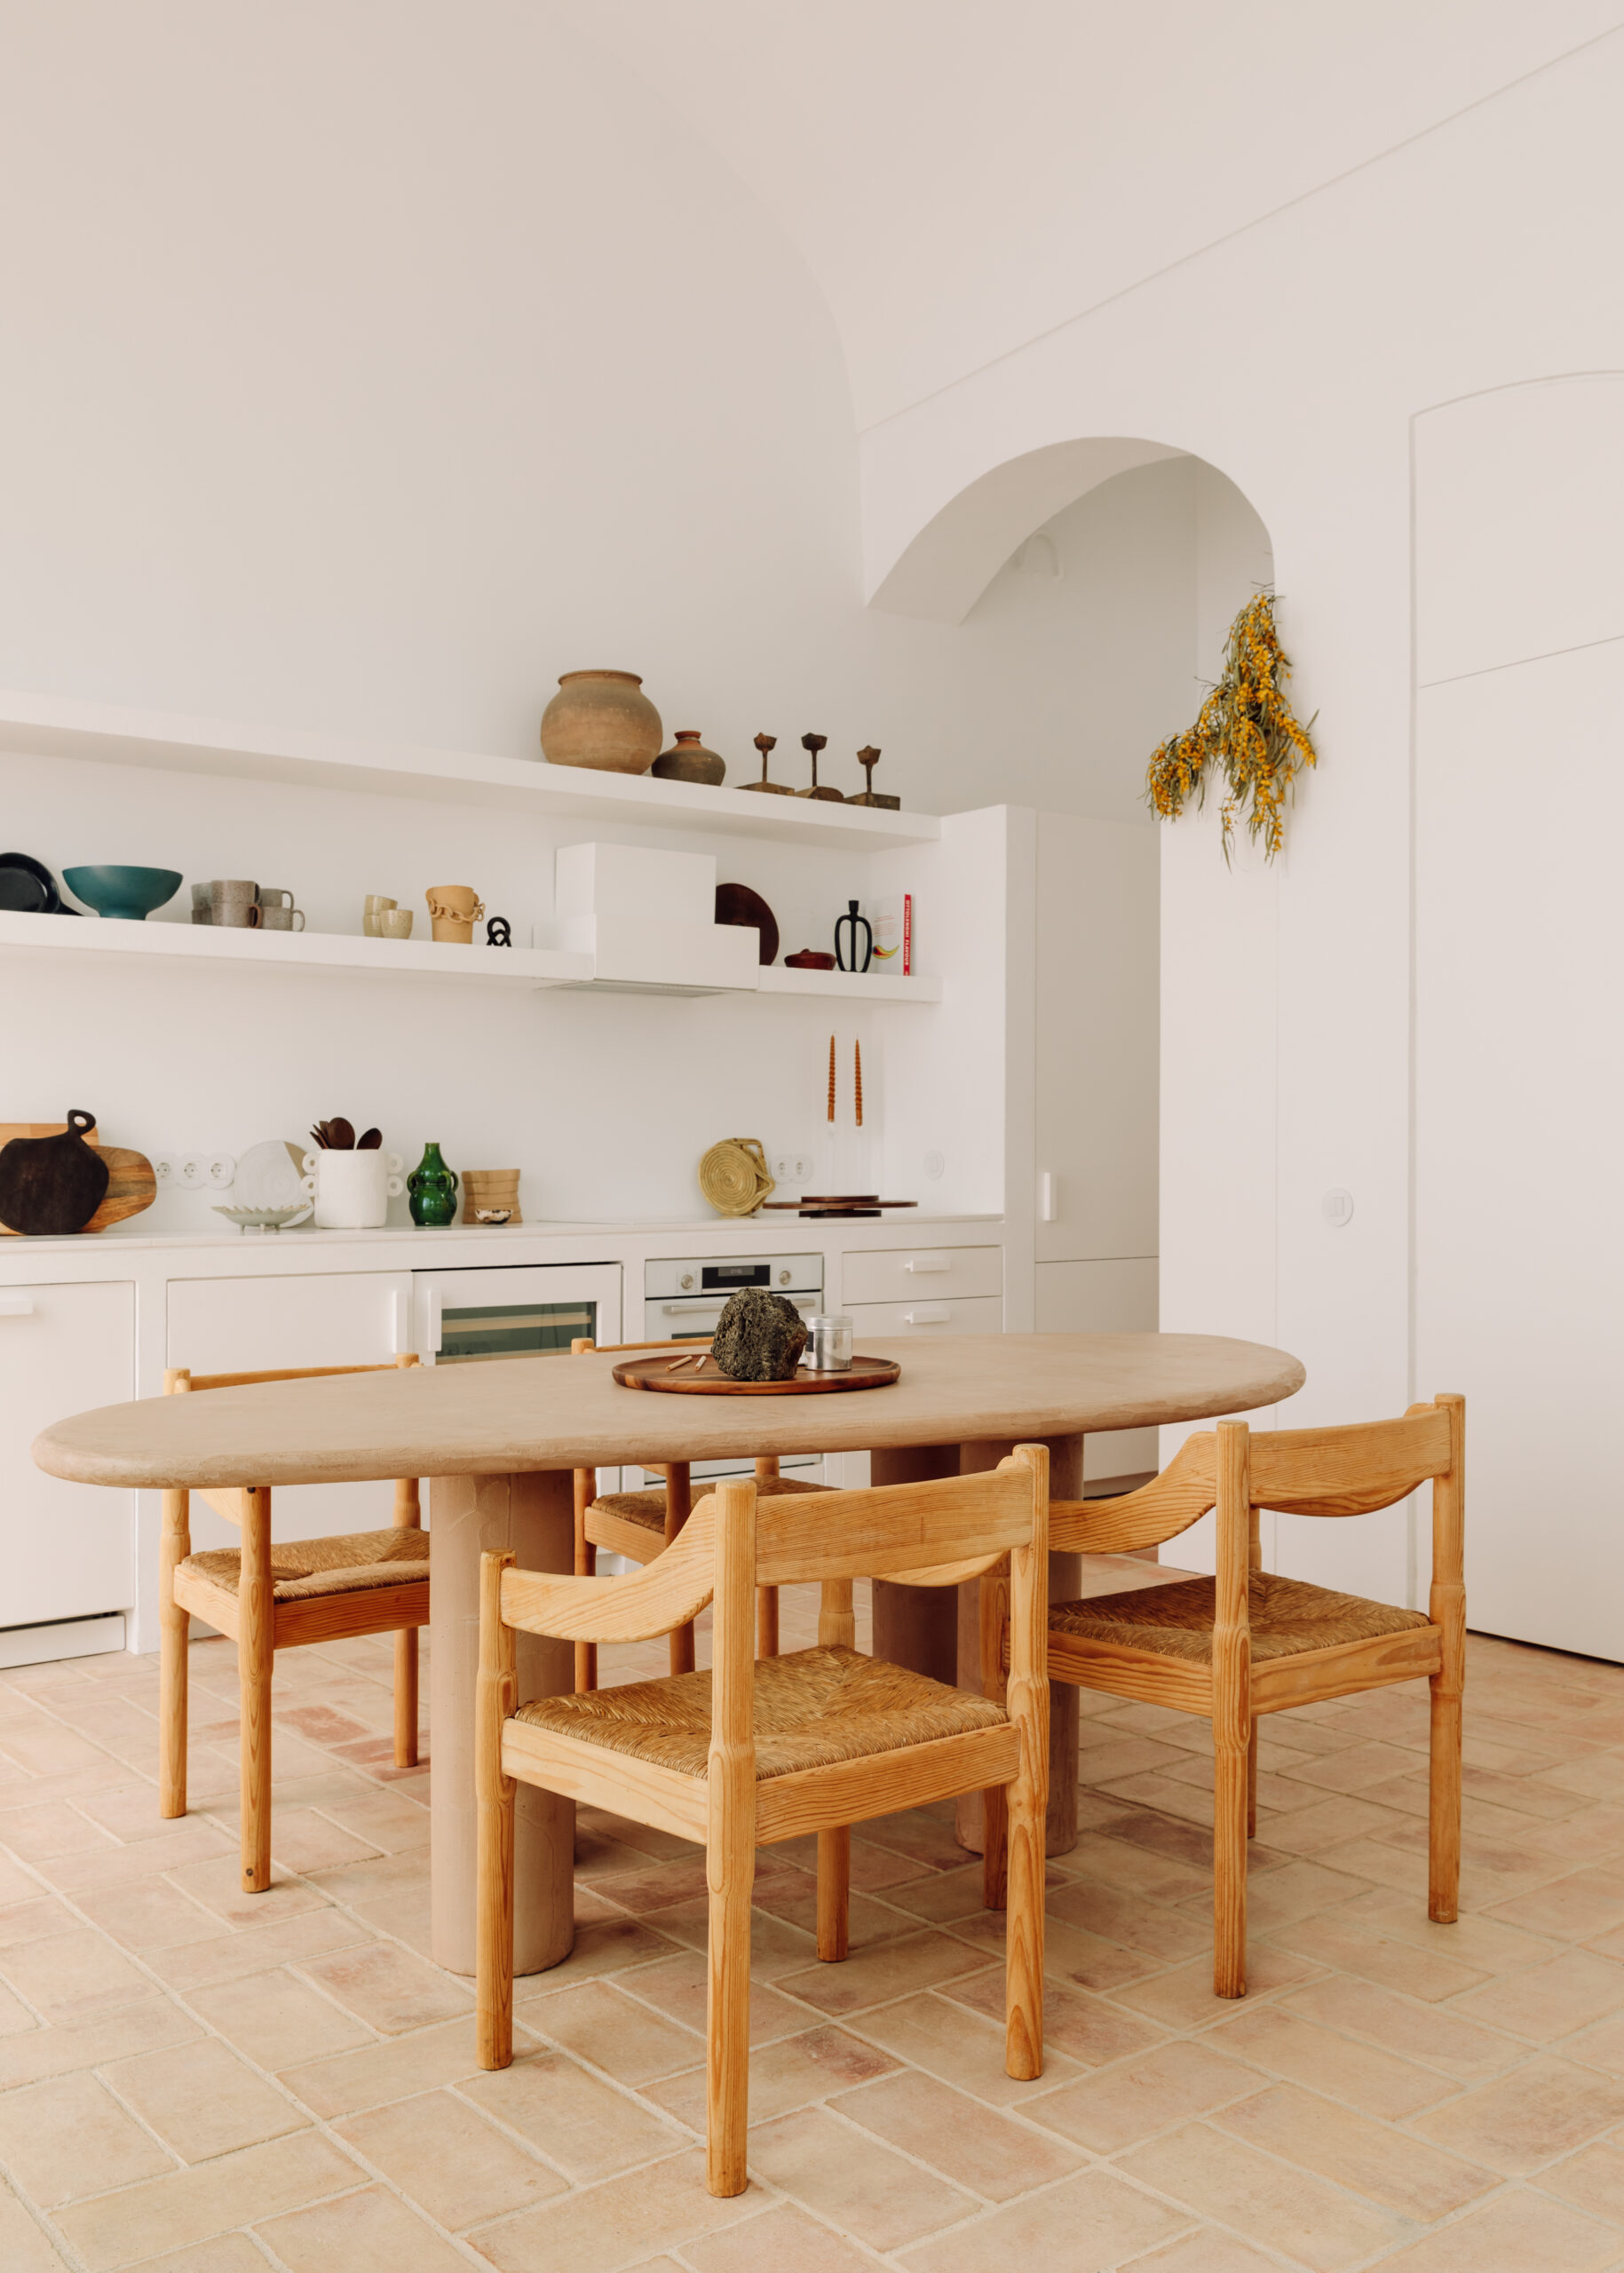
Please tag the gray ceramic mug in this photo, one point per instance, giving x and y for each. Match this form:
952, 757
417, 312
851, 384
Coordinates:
234, 903
280, 919
202, 910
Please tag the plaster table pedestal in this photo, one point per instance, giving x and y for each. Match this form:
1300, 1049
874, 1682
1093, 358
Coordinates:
498, 1443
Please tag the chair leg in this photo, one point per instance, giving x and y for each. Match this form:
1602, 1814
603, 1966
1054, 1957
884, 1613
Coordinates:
679, 1507
1027, 1808
727, 2021
406, 1698
834, 1892
495, 1797
1230, 1753
256, 1659
1252, 1784
766, 1621
586, 1567
1444, 1800
174, 1628
995, 1847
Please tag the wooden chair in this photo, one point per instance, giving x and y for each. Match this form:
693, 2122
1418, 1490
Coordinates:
268, 1598
1243, 1643
762, 1750
641, 1524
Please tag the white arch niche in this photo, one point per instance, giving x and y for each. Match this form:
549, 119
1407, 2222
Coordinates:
943, 571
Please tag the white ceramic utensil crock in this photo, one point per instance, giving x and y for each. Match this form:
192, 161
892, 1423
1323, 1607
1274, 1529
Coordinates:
352, 1190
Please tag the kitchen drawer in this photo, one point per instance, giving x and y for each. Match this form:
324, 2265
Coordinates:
910, 1274
928, 1313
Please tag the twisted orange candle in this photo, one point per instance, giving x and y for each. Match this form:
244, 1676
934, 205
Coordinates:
858, 1047
831, 1077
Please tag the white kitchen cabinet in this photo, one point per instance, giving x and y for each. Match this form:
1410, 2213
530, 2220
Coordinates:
66, 1550
1096, 1026
341, 1317
928, 1313
921, 1274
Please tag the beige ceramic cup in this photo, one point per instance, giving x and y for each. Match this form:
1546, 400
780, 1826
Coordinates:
394, 924
372, 907
233, 902
453, 910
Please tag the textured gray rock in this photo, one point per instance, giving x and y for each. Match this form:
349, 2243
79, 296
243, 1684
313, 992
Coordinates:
758, 1336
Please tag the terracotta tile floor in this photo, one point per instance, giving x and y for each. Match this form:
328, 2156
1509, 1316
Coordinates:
213, 2083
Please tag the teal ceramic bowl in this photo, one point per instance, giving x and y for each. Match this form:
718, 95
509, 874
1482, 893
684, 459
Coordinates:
128, 894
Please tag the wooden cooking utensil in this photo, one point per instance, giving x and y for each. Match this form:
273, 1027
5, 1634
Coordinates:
370, 1142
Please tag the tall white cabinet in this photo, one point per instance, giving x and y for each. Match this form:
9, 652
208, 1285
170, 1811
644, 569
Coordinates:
1094, 954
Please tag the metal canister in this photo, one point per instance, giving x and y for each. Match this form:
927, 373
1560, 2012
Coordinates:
830, 1350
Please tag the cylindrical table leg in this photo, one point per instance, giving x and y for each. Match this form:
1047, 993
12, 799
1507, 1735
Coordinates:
534, 1515
1065, 1578
916, 1626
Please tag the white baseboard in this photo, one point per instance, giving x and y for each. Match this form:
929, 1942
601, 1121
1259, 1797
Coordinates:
69, 1637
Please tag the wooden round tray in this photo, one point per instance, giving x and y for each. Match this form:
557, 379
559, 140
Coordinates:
708, 1380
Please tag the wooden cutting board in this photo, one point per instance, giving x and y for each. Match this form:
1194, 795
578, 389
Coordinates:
132, 1186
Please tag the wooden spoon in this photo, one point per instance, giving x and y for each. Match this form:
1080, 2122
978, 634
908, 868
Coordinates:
340, 1134
372, 1142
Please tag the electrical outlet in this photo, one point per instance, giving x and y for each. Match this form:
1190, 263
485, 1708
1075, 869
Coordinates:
164, 1167
222, 1171
794, 1168
801, 1168
192, 1171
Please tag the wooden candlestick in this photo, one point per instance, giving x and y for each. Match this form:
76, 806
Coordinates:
766, 744
868, 757
812, 744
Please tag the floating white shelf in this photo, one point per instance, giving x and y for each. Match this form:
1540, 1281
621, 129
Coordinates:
44, 725
849, 986
531, 968
91, 935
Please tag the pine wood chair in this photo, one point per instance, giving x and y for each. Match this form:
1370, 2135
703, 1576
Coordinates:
267, 1598
641, 1524
762, 1750
1244, 1644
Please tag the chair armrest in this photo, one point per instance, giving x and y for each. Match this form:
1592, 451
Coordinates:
667, 1593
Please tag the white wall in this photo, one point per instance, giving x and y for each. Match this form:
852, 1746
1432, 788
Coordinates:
368, 366
365, 369
1519, 1095
1294, 354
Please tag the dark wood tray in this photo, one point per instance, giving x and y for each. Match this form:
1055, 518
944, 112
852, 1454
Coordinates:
708, 1380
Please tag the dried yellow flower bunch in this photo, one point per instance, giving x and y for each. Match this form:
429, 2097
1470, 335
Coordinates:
1246, 730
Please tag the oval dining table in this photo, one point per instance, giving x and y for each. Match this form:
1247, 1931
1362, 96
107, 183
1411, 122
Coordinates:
498, 1442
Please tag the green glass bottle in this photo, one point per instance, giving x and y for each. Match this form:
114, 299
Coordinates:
433, 1189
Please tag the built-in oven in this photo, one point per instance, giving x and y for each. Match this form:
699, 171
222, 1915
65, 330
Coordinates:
682, 1300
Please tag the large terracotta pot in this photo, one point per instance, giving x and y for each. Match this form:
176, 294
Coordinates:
601, 719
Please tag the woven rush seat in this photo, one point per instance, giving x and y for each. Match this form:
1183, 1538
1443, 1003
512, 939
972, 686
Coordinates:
1287, 1617
813, 1708
646, 1509
342, 1564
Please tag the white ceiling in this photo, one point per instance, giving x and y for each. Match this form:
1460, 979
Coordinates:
962, 175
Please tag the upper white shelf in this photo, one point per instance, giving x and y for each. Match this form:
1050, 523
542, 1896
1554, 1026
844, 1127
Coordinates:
528, 968
42, 725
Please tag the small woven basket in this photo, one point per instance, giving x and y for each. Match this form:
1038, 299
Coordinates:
733, 1175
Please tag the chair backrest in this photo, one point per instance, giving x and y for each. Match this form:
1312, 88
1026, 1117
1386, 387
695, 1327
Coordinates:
1346, 1471
181, 1378
921, 1534
178, 1380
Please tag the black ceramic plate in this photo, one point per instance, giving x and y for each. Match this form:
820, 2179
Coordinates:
27, 887
738, 904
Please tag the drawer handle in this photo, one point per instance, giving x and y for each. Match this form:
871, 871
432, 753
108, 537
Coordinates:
694, 1309
928, 1314
16, 1306
919, 1263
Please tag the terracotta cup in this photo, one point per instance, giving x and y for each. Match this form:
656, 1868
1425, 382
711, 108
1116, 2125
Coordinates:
453, 910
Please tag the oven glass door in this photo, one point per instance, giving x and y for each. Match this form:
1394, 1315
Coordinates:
463, 1318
